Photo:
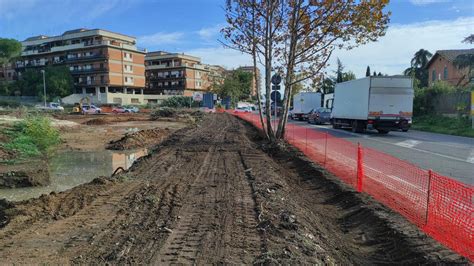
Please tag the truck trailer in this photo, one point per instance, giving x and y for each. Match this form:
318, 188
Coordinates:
383, 103
304, 102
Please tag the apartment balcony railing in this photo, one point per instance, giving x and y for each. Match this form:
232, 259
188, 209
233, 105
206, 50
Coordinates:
90, 83
164, 78
80, 45
84, 58
90, 70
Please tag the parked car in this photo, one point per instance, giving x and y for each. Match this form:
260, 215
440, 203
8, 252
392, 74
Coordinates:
92, 109
132, 109
50, 107
243, 109
319, 115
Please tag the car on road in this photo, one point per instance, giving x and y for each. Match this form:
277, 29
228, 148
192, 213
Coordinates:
90, 109
132, 109
243, 109
319, 115
50, 107
124, 109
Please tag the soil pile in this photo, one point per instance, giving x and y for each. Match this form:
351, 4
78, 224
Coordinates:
211, 194
141, 139
96, 122
24, 178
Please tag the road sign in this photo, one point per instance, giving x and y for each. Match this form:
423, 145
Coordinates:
275, 96
276, 79
197, 96
276, 87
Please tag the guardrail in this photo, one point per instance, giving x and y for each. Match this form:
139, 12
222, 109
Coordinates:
440, 206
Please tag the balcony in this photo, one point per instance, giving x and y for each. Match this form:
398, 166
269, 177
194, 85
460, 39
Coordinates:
86, 58
81, 45
91, 83
90, 70
165, 78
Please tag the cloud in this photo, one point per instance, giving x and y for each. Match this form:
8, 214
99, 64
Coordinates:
160, 38
427, 2
209, 33
225, 57
392, 53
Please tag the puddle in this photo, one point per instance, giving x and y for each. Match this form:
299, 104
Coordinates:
71, 168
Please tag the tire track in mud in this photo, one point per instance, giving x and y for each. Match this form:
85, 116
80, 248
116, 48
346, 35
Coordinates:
211, 195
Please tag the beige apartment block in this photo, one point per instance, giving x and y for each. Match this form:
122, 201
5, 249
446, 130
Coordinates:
100, 61
178, 74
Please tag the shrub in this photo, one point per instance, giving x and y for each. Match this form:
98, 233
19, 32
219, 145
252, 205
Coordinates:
33, 136
163, 112
179, 102
9, 103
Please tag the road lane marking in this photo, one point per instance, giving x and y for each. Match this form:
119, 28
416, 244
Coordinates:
412, 148
409, 143
470, 159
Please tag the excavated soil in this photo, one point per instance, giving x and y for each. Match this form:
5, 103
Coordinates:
141, 139
213, 193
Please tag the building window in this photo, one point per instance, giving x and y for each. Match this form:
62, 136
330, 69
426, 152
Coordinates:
135, 100
445, 73
433, 75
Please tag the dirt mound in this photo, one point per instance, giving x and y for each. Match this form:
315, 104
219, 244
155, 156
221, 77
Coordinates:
141, 139
96, 122
25, 178
214, 194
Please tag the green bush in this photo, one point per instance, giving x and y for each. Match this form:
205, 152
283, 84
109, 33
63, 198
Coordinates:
8, 103
33, 136
179, 102
163, 112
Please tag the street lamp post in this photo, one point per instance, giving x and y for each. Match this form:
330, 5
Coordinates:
44, 87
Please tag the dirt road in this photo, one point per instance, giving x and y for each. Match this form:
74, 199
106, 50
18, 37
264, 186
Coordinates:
213, 193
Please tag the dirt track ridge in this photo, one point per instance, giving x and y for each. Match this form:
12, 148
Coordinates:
214, 193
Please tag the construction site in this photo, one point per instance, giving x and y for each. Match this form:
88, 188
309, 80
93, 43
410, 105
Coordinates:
201, 189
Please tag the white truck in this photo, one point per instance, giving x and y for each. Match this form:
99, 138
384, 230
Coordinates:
303, 103
381, 103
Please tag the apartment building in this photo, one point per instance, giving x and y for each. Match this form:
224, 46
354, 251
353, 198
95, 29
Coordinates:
8, 73
177, 74
249, 69
441, 67
105, 65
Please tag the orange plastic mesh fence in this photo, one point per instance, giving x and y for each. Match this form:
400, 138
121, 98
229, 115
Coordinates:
440, 206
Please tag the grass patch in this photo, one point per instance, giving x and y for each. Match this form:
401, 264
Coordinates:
444, 125
34, 136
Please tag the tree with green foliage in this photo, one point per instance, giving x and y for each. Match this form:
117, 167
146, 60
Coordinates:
367, 72
465, 61
339, 71
418, 66
59, 82
9, 49
237, 86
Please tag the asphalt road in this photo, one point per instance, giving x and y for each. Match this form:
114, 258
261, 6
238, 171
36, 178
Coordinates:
448, 155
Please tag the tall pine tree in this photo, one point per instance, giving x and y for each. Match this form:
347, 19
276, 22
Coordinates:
367, 72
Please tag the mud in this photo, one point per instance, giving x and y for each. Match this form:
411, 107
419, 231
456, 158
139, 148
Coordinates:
141, 139
23, 174
213, 193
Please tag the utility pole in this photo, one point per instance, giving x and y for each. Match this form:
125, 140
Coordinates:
44, 87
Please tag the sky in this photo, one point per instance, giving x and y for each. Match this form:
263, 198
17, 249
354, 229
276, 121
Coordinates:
192, 26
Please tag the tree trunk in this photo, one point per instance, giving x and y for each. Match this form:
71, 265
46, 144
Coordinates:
289, 74
268, 67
